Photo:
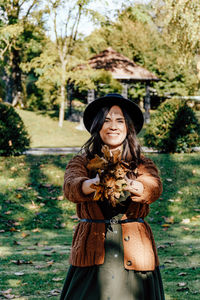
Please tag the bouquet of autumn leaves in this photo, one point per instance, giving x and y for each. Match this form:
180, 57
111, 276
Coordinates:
112, 170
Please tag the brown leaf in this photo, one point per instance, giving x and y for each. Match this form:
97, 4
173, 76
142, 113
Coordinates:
36, 230
165, 225
117, 155
50, 262
24, 235
12, 229
106, 151
19, 196
97, 163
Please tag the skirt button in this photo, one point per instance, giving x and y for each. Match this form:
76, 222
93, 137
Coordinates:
129, 263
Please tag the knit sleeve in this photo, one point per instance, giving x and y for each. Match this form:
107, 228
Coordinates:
148, 176
75, 173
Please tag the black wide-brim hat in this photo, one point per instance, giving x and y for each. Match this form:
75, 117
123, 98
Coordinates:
131, 108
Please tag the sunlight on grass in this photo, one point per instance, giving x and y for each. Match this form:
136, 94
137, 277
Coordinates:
5, 251
14, 282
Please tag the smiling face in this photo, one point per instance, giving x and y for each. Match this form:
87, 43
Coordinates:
114, 131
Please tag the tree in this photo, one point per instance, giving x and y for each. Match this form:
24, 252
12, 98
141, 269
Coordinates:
56, 65
14, 26
182, 25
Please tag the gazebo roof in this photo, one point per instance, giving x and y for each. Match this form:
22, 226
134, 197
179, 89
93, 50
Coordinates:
121, 67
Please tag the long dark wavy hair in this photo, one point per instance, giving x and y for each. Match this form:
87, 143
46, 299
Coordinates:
131, 147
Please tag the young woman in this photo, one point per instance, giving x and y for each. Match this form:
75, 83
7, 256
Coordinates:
113, 255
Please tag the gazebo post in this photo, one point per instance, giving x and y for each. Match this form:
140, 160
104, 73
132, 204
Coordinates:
69, 97
90, 96
125, 89
147, 104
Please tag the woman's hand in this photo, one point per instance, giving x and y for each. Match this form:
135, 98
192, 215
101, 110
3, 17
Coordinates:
86, 189
134, 187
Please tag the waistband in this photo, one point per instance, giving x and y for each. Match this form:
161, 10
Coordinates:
112, 221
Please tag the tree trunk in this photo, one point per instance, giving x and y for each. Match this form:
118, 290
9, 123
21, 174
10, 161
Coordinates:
16, 75
62, 105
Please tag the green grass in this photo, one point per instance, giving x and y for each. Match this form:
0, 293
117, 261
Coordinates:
45, 132
36, 225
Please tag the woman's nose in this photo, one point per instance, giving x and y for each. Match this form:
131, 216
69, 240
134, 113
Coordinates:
113, 125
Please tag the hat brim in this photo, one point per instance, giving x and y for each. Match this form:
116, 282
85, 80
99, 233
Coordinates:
131, 108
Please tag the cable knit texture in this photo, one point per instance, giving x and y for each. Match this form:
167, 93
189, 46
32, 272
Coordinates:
88, 242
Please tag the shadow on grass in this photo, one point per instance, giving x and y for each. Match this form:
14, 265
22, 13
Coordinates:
174, 219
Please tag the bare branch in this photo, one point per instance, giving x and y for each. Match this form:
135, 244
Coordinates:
74, 31
22, 3
67, 21
30, 8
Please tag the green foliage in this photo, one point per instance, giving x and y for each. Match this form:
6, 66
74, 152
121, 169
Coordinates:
179, 22
174, 128
14, 138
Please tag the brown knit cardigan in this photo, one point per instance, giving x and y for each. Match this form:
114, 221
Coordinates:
88, 242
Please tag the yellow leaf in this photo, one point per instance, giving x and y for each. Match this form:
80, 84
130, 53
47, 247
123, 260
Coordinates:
165, 225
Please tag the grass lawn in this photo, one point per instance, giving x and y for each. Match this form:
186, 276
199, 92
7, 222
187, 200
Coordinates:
45, 132
37, 224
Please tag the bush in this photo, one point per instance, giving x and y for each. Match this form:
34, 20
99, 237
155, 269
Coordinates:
174, 128
14, 138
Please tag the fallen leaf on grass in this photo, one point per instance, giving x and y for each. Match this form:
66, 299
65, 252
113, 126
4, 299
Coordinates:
182, 274
169, 179
14, 169
39, 267
162, 246
60, 198
19, 273
50, 262
57, 279
165, 225
169, 220
19, 196
168, 261
24, 235
6, 294
36, 230
47, 185
182, 284
54, 292
185, 221
13, 229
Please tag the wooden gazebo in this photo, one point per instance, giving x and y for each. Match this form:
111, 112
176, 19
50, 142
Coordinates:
124, 70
